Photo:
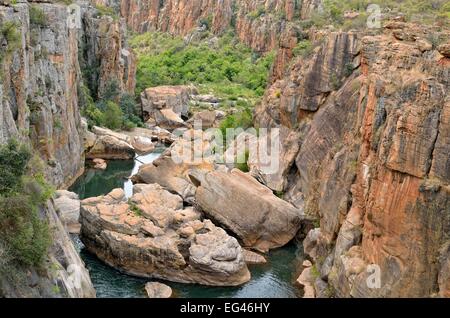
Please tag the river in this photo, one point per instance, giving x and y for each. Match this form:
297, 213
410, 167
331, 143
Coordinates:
275, 279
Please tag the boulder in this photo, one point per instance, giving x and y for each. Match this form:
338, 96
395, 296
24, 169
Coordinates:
100, 164
68, 208
172, 168
158, 290
254, 258
206, 118
142, 145
168, 119
111, 148
166, 105
444, 49
151, 235
236, 201
155, 134
307, 280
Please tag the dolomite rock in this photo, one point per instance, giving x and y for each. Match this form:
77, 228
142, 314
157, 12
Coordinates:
140, 139
67, 206
107, 52
39, 95
372, 164
155, 134
207, 119
158, 290
100, 164
172, 168
111, 148
166, 105
151, 235
254, 258
444, 49
251, 211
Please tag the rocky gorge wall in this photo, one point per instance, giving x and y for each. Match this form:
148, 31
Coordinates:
369, 116
42, 84
263, 25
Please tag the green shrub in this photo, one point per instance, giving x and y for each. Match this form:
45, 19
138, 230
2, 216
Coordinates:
37, 16
113, 116
9, 32
13, 161
23, 233
303, 48
242, 119
23, 230
242, 161
230, 71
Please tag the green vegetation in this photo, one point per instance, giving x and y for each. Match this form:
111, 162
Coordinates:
9, 32
228, 69
106, 11
242, 161
114, 110
24, 233
304, 48
37, 16
242, 119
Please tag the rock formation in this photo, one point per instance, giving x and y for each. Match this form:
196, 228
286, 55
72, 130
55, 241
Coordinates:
40, 97
151, 235
166, 106
158, 290
265, 223
371, 112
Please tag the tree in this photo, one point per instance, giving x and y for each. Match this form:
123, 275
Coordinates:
113, 116
13, 161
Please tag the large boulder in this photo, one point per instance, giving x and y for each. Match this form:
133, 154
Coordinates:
166, 105
151, 235
67, 206
158, 290
251, 211
139, 140
111, 148
172, 168
206, 119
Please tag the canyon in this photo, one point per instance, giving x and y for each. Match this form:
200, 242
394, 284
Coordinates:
364, 128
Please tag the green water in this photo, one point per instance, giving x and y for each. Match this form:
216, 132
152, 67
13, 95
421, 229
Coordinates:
275, 279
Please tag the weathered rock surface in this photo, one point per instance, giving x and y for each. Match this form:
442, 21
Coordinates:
254, 258
251, 211
40, 100
372, 163
158, 290
166, 105
151, 235
67, 277
172, 168
100, 164
106, 51
108, 147
67, 206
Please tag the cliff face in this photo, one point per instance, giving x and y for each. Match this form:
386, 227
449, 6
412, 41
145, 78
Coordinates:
42, 78
263, 25
39, 105
371, 113
105, 56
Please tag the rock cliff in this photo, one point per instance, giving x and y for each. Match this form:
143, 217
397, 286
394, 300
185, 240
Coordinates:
41, 53
371, 114
263, 25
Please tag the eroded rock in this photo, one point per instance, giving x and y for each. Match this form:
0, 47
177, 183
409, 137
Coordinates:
151, 235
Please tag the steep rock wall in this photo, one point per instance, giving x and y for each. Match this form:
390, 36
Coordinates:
372, 163
39, 105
